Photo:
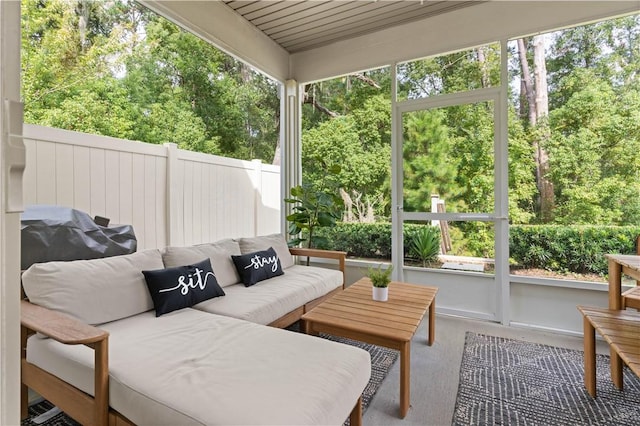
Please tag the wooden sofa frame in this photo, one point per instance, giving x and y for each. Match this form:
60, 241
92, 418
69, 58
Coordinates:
95, 410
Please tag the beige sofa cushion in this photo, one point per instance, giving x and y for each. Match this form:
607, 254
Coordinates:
269, 300
219, 253
277, 241
193, 368
94, 291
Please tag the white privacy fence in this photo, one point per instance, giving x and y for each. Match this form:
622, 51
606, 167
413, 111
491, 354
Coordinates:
170, 196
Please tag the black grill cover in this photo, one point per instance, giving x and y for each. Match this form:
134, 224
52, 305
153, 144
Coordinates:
61, 233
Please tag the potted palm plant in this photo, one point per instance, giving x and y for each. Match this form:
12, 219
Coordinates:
380, 278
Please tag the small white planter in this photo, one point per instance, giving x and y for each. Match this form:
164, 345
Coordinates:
380, 294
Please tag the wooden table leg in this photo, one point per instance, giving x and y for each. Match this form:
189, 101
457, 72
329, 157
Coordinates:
615, 303
616, 369
405, 378
307, 328
24, 391
615, 285
101, 382
355, 418
432, 323
589, 357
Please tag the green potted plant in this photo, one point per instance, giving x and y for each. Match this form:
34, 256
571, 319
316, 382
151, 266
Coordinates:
380, 278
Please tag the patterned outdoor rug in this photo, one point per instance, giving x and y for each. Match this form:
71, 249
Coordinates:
381, 361
510, 382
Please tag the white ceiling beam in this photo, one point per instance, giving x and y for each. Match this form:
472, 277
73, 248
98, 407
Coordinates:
219, 25
459, 29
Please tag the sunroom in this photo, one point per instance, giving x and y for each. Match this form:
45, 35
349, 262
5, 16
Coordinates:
372, 35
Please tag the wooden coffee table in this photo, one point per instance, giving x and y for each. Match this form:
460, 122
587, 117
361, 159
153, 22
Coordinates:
355, 315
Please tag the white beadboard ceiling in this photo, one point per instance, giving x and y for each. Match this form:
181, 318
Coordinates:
299, 25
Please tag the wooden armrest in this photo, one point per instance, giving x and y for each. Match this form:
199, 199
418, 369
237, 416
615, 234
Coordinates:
61, 327
327, 254
341, 256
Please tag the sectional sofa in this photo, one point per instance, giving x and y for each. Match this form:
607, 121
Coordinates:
122, 341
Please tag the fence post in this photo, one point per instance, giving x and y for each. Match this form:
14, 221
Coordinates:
257, 188
435, 199
173, 188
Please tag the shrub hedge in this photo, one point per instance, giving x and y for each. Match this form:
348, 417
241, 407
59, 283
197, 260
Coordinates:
556, 248
368, 240
578, 249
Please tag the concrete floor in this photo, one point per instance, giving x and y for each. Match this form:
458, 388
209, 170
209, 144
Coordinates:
435, 370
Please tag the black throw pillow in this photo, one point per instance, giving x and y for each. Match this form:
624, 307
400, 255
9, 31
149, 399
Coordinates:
258, 266
182, 286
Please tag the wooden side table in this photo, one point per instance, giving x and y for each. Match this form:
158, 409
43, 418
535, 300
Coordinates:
620, 264
354, 315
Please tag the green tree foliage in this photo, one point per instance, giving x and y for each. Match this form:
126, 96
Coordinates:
116, 69
595, 144
455, 72
592, 130
364, 164
594, 151
359, 141
522, 185
430, 162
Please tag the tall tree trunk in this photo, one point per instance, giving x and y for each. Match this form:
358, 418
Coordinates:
522, 110
482, 60
527, 82
540, 67
538, 106
83, 20
277, 154
545, 186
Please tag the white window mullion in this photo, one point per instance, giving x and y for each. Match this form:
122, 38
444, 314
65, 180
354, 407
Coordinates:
397, 220
501, 208
290, 144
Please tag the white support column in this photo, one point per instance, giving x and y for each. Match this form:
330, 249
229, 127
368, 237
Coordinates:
501, 149
397, 223
290, 143
10, 205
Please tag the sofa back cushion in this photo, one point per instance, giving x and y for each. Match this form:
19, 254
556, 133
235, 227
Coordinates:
219, 253
94, 291
277, 241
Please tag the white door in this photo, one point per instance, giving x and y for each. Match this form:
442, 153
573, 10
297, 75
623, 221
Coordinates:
440, 158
